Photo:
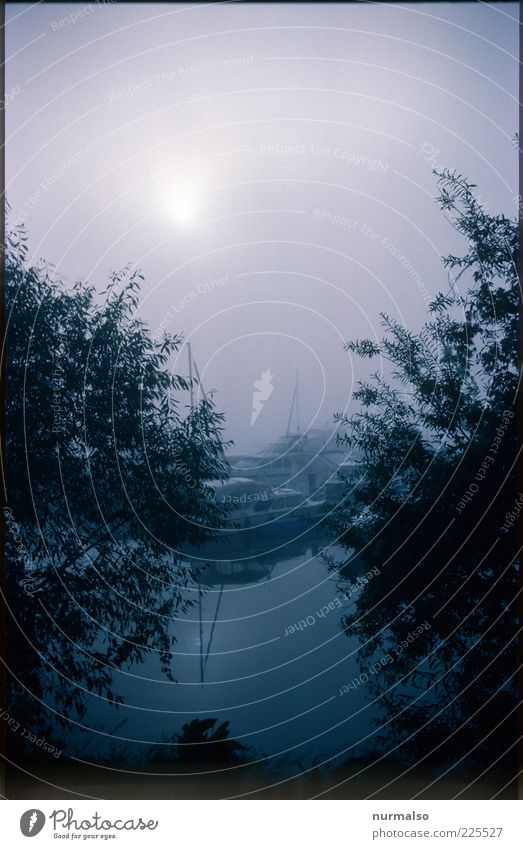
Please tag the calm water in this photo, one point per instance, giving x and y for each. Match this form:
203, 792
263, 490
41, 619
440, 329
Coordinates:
279, 692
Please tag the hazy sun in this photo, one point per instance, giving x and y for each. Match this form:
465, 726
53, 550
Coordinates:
183, 205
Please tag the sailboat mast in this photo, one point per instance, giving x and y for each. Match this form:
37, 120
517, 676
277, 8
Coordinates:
200, 384
295, 400
297, 403
191, 388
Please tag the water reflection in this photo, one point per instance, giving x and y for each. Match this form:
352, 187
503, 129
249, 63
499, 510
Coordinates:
235, 567
238, 658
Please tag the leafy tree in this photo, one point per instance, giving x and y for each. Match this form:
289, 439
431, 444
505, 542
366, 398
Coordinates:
105, 478
432, 505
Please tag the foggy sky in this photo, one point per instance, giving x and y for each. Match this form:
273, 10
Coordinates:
298, 140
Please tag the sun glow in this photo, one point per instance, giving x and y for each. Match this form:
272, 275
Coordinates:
183, 205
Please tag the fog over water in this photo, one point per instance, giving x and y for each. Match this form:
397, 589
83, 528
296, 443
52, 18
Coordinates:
267, 166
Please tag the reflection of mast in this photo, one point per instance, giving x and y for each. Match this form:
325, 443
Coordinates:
295, 401
201, 633
204, 656
213, 625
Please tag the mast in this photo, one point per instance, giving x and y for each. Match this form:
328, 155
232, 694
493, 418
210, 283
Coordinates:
295, 401
200, 384
191, 389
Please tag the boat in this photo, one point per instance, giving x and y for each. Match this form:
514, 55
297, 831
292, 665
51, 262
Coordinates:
274, 499
306, 462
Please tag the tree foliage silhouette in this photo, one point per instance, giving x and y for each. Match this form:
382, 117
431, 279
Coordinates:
436, 428
105, 478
